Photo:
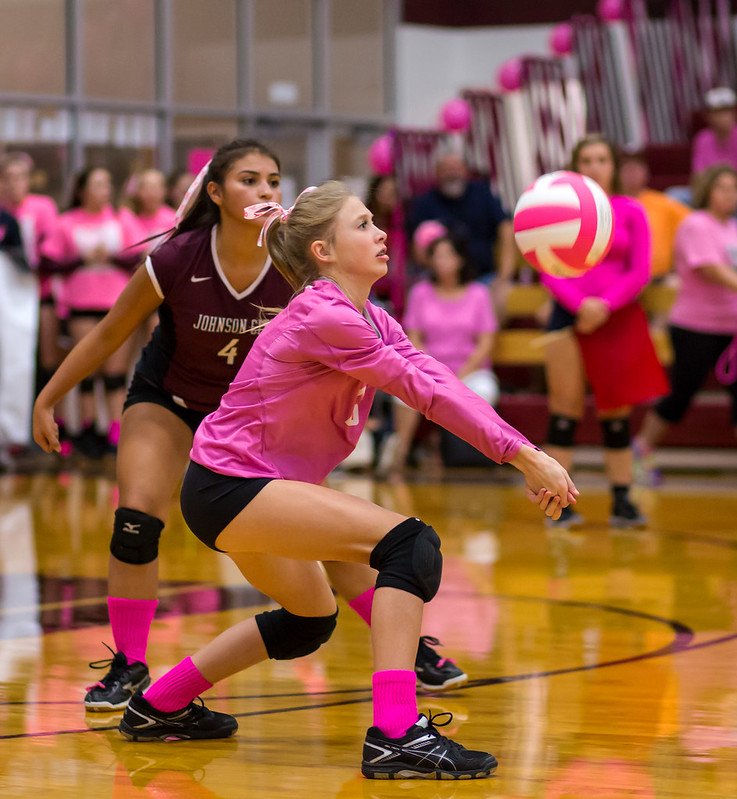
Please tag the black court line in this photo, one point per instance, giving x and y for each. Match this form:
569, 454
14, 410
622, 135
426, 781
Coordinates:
683, 635
667, 650
678, 628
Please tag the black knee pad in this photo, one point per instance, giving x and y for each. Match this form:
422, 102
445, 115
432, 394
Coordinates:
616, 433
114, 382
135, 536
87, 385
408, 557
561, 430
287, 636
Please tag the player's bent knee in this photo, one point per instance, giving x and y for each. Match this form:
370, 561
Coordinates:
408, 557
135, 536
287, 636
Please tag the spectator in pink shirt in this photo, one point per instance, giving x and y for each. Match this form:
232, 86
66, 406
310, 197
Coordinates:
703, 319
717, 143
452, 318
383, 201
293, 412
148, 202
97, 246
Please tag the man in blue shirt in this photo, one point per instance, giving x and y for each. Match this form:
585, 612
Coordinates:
470, 211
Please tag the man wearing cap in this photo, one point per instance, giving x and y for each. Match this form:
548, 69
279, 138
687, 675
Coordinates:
717, 143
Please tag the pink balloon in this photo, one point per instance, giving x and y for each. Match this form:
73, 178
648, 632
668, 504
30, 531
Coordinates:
509, 76
381, 155
611, 10
455, 115
561, 39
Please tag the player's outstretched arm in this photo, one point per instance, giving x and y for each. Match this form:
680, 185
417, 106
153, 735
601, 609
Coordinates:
137, 302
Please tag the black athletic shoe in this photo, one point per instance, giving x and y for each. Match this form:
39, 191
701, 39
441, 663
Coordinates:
114, 690
89, 443
568, 518
626, 515
422, 753
433, 672
142, 722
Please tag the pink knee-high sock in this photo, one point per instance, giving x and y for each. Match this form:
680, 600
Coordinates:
363, 603
131, 622
395, 701
177, 688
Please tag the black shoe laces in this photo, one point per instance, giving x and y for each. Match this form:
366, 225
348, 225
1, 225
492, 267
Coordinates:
433, 724
106, 663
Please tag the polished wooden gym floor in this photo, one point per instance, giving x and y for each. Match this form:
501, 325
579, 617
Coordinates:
602, 663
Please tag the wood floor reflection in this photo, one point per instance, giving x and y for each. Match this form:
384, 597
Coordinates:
602, 663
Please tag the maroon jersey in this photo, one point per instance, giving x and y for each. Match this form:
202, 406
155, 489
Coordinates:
206, 327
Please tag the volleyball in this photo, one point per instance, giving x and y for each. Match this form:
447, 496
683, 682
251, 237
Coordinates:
563, 224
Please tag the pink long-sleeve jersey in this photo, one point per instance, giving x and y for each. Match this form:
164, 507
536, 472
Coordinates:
625, 271
300, 400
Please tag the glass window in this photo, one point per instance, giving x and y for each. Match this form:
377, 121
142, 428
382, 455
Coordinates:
32, 49
282, 54
357, 57
118, 47
204, 55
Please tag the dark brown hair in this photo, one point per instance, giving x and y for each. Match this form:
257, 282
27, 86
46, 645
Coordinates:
204, 212
704, 181
598, 138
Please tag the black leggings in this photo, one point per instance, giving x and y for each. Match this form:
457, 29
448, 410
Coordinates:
694, 356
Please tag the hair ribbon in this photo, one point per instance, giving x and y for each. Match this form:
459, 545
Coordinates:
270, 212
191, 194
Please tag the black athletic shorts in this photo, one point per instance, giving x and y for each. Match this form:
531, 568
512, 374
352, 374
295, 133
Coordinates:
210, 501
143, 390
560, 317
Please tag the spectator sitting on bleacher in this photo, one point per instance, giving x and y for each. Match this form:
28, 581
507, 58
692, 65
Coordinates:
717, 143
472, 213
664, 213
450, 317
703, 319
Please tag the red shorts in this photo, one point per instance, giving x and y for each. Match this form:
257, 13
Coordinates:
621, 364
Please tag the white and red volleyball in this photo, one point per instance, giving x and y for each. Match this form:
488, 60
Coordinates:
563, 224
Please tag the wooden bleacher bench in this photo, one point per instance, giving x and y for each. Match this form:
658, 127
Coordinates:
521, 346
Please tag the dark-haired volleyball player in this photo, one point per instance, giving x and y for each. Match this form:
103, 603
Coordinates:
208, 281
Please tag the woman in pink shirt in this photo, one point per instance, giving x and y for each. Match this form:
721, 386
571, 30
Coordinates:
703, 319
97, 246
155, 216
611, 346
253, 489
452, 319
148, 202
